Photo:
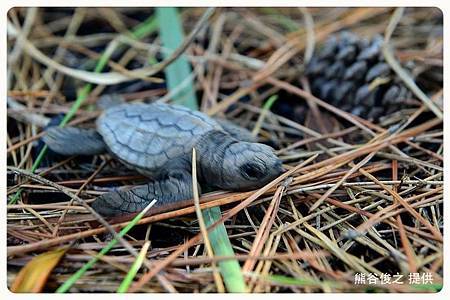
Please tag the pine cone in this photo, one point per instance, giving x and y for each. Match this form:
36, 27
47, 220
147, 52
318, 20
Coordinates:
343, 73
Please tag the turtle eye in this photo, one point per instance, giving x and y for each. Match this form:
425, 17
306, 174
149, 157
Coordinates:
252, 171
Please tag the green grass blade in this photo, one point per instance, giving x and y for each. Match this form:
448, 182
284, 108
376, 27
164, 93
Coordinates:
172, 36
230, 269
269, 103
140, 31
71, 281
301, 282
431, 287
145, 28
266, 108
125, 285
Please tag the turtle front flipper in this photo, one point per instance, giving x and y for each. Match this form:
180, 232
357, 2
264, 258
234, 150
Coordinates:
173, 188
74, 141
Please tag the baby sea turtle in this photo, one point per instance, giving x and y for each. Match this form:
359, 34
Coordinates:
156, 140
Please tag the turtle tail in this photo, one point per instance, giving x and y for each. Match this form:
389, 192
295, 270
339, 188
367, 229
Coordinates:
74, 141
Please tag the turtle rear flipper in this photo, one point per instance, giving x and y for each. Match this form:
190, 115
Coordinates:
166, 191
74, 141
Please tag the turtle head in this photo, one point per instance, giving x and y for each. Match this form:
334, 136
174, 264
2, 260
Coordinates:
248, 166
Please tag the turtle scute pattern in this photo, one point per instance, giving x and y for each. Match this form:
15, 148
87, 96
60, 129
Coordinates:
147, 136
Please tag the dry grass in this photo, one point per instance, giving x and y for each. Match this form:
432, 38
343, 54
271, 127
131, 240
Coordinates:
358, 196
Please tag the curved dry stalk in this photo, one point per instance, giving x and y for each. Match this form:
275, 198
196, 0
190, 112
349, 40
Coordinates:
310, 39
110, 77
27, 26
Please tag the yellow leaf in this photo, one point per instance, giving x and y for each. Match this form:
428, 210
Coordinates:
33, 276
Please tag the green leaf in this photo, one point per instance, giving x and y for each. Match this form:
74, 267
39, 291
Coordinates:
172, 37
33, 276
171, 34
